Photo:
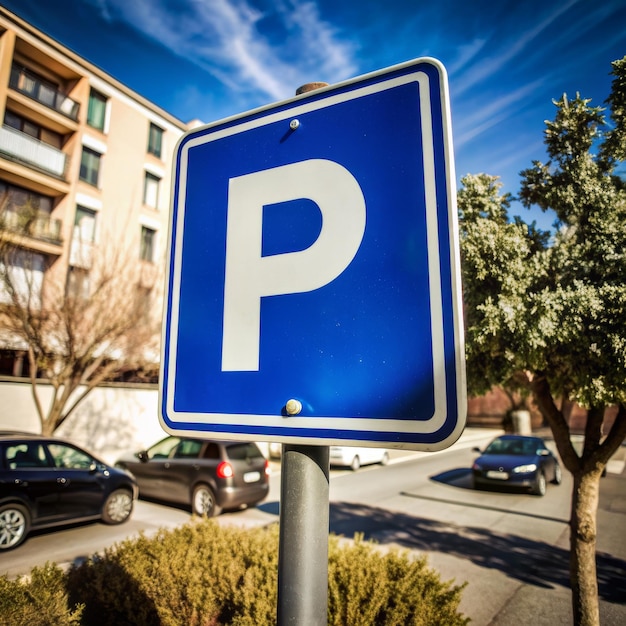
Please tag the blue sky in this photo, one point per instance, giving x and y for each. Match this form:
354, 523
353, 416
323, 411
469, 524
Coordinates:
210, 59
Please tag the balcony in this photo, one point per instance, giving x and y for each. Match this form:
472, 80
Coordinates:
34, 224
32, 86
22, 147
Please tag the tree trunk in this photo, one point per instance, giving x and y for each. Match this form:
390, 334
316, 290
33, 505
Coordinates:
583, 578
585, 495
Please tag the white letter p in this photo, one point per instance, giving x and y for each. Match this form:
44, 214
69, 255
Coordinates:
251, 276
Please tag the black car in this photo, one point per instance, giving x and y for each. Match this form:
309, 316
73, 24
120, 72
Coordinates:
45, 482
517, 461
207, 475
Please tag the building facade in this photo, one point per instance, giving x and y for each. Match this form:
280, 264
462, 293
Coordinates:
85, 162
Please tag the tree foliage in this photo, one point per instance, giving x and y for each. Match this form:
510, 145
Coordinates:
549, 314
583, 354
553, 309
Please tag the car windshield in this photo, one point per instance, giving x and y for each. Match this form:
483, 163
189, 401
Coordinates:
163, 449
243, 451
519, 447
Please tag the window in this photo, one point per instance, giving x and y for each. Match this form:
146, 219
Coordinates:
84, 224
163, 449
29, 455
77, 283
68, 457
22, 124
14, 198
90, 166
188, 449
34, 85
24, 272
33, 130
96, 111
151, 190
146, 249
155, 140
14, 363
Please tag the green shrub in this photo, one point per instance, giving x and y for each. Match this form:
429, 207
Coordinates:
369, 586
198, 575
40, 600
203, 574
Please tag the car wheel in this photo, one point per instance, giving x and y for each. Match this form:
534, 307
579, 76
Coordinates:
356, 463
203, 502
117, 507
385, 459
558, 474
539, 488
14, 525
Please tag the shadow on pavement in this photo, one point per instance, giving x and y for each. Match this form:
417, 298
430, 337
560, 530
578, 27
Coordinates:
531, 562
272, 507
461, 478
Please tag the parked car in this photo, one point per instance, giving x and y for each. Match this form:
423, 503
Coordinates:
355, 457
207, 475
46, 482
517, 461
275, 450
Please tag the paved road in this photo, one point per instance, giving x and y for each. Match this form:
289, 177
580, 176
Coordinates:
512, 548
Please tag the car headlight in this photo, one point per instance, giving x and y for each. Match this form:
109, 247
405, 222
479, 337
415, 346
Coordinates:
525, 469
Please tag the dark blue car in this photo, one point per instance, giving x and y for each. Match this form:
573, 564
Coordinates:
47, 482
517, 461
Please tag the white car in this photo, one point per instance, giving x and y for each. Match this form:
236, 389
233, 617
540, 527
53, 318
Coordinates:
275, 450
352, 457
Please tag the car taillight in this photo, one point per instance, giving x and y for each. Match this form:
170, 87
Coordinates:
225, 470
268, 470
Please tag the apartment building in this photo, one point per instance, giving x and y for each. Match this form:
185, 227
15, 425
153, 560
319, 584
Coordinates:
88, 155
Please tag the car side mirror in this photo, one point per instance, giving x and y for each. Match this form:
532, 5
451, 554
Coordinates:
93, 468
143, 456
476, 449
544, 452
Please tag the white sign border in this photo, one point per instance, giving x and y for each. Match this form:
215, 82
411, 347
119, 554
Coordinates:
339, 424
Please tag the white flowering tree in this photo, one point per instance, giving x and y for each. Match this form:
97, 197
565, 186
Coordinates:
550, 316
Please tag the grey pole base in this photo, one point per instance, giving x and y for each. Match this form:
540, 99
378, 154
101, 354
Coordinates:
303, 537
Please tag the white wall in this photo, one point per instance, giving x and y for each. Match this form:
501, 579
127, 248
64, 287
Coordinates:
110, 420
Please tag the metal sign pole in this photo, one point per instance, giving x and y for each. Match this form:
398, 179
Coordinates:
304, 524
303, 537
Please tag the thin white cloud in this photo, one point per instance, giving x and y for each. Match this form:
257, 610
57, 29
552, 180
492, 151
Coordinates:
224, 38
487, 68
490, 112
466, 53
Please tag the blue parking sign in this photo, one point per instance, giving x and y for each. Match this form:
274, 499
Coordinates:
313, 288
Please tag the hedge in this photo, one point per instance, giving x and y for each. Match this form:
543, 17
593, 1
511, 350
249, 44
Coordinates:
203, 574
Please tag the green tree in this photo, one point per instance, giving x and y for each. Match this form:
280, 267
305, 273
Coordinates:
550, 317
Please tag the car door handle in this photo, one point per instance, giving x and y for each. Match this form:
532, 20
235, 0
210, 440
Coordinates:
21, 483
62, 481
166, 465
